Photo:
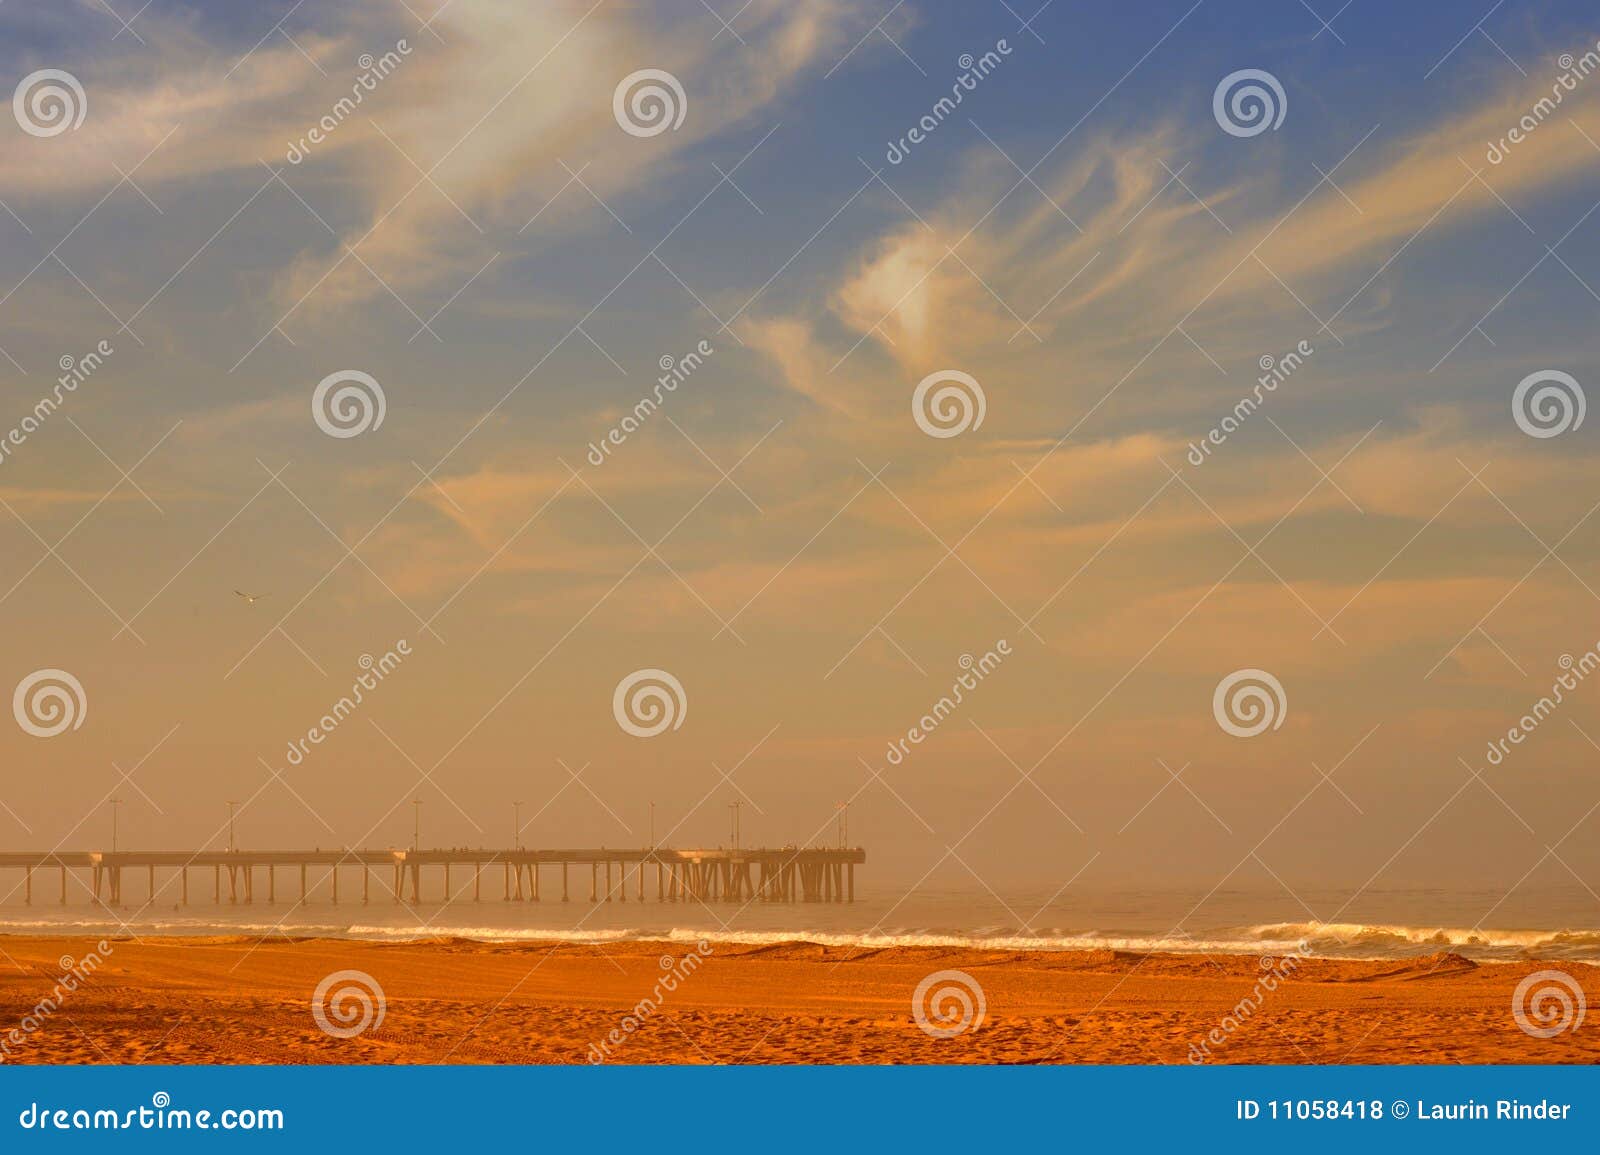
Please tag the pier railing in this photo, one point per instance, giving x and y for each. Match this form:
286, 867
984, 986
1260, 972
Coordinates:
785, 874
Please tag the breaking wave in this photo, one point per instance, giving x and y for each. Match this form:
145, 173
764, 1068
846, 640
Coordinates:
1327, 940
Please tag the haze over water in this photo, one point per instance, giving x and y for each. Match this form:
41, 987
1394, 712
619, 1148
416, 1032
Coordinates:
1556, 922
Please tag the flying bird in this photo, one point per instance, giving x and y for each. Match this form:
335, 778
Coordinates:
250, 599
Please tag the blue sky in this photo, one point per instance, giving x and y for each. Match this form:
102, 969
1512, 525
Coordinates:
485, 239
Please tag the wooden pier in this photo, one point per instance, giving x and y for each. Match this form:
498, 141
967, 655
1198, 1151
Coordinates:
787, 874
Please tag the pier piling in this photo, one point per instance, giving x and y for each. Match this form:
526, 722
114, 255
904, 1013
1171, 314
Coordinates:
787, 874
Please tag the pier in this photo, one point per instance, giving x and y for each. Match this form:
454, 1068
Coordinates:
787, 874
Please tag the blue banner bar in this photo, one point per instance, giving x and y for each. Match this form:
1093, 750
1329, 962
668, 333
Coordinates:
799, 1109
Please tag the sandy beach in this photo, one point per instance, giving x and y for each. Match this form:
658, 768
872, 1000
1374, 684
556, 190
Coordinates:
239, 1000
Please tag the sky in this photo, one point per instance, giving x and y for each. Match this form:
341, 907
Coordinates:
507, 248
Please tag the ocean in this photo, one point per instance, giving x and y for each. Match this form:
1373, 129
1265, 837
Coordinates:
1485, 925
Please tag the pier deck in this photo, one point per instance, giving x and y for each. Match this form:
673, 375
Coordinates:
784, 874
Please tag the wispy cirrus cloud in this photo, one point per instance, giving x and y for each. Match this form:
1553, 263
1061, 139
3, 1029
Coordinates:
993, 267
